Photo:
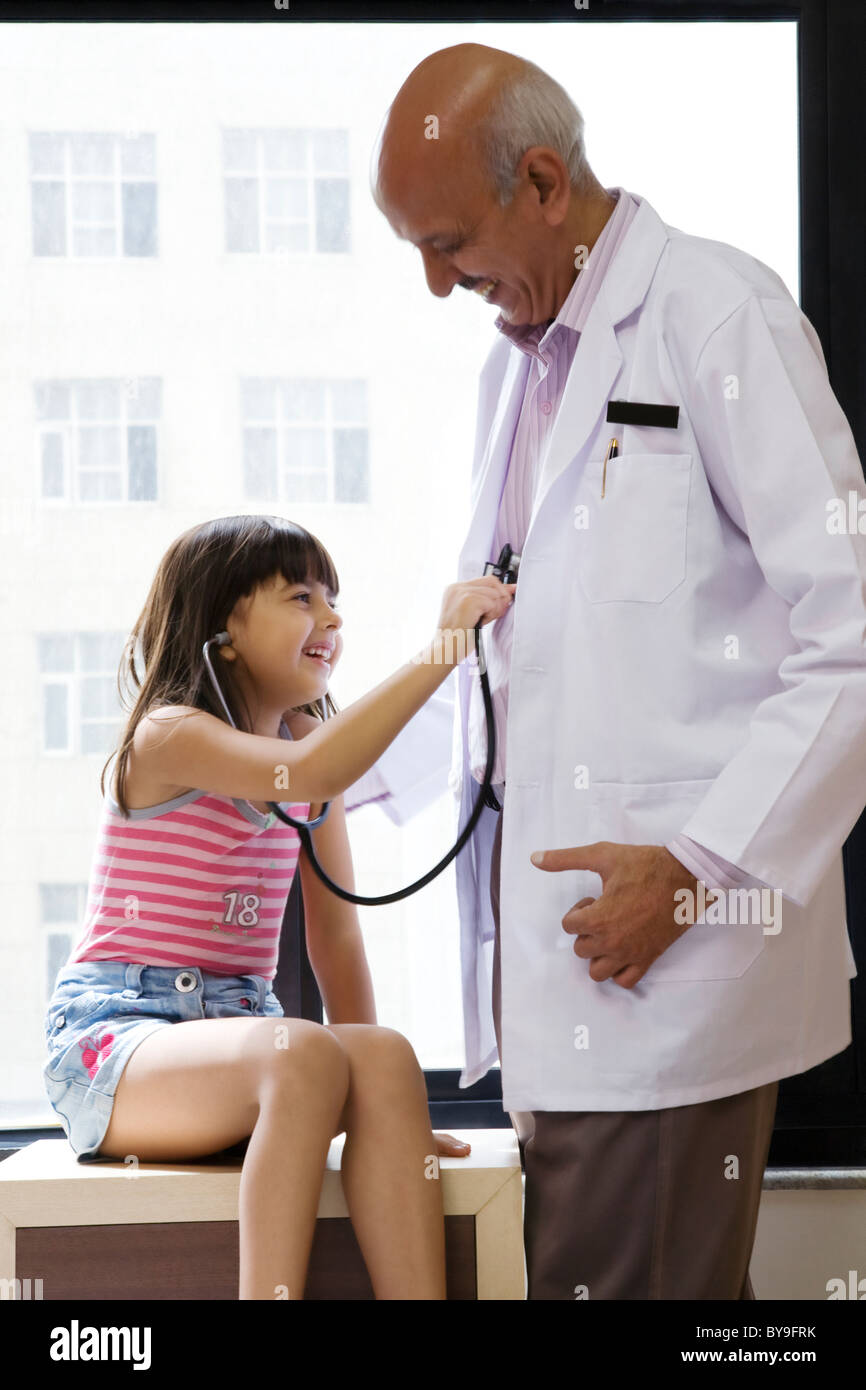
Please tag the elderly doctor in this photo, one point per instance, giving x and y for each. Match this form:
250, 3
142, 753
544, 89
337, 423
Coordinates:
679, 687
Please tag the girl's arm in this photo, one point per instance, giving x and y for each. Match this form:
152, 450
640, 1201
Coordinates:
335, 944
183, 746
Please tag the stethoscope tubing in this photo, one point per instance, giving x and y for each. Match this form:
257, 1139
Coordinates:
304, 828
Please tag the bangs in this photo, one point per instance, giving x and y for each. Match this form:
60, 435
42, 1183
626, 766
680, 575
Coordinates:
302, 558
285, 548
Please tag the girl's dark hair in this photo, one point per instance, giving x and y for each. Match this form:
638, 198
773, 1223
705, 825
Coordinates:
199, 580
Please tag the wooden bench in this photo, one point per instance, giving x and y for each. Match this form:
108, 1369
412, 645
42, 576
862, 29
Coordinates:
170, 1231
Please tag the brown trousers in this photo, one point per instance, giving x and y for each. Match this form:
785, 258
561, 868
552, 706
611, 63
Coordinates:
635, 1204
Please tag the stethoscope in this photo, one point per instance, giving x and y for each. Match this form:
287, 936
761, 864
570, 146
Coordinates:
505, 568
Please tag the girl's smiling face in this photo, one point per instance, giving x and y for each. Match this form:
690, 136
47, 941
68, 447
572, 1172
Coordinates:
271, 633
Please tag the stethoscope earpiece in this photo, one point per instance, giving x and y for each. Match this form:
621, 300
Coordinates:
303, 827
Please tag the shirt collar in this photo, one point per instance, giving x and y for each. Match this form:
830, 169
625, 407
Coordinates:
531, 338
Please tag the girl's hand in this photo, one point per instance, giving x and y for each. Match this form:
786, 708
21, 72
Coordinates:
446, 1145
474, 601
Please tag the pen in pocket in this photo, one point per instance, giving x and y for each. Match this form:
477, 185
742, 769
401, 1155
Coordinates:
612, 451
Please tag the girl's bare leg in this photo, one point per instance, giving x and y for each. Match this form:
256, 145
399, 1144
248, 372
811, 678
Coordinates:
390, 1169
194, 1088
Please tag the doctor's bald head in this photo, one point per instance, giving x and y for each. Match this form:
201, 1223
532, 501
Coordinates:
481, 165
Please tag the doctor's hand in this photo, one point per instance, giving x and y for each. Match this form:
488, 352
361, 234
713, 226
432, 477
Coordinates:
622, 932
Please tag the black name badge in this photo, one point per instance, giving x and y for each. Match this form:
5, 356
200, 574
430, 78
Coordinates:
640, 413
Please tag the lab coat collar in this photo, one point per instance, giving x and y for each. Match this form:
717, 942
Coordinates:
597, 365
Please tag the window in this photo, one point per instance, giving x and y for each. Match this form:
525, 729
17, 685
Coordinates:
61, 913
297, 339
93, 194
286, 190
97, 439
81, 711
305, 440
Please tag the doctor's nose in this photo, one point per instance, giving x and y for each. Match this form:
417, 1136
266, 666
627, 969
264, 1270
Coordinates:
441, 274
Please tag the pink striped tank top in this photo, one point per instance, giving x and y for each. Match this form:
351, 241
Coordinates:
199, 880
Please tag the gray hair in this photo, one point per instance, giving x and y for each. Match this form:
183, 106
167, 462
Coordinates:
530, 108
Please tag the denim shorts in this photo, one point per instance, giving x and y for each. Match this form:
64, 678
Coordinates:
101, 1010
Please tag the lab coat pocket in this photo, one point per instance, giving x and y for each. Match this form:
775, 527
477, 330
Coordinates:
632, 545
652, 814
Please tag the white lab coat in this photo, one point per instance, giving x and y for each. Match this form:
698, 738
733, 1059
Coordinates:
712, 538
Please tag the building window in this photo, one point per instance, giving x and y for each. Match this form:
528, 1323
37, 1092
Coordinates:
286, 190
61, 913
97, 439
93, 194
81, 709
305, 440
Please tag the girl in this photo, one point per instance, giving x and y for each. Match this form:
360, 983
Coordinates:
161, 1030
